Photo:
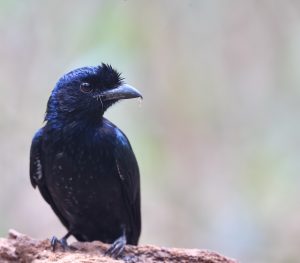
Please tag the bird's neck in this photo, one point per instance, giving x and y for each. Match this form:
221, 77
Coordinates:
74, 124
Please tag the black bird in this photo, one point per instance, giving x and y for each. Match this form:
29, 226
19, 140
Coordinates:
84, 165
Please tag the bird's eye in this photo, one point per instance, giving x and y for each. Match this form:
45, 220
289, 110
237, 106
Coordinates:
86, 87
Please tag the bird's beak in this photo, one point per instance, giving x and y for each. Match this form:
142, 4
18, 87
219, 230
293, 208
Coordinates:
123, 91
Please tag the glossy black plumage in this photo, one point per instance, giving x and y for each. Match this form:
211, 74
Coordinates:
83, 164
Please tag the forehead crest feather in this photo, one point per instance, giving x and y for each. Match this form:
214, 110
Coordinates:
109, 75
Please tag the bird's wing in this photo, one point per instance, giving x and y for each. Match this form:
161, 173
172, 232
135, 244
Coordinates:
37, 175
36, 167
128, 173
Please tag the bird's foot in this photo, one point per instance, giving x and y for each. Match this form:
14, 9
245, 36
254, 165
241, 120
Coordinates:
117, 248
63, 243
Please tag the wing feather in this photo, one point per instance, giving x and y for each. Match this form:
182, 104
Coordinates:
37, 174
128, 171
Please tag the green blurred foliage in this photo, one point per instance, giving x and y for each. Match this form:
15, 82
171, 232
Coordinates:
216, 137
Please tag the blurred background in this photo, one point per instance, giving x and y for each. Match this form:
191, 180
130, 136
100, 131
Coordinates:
217, 136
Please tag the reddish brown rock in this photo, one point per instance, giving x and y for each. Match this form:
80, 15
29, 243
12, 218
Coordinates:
21, 248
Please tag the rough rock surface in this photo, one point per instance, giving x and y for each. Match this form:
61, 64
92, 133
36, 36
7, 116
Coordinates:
21, 248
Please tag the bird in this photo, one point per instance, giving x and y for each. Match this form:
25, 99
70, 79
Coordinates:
84, 165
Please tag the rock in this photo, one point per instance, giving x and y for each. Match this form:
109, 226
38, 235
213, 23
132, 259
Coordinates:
23, 249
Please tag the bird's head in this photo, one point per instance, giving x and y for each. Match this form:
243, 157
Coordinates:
88, 92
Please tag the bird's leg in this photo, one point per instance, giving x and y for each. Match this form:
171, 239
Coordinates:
62, 241
116, 248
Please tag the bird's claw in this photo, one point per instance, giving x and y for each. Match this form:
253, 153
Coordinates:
117, 248
63, 243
